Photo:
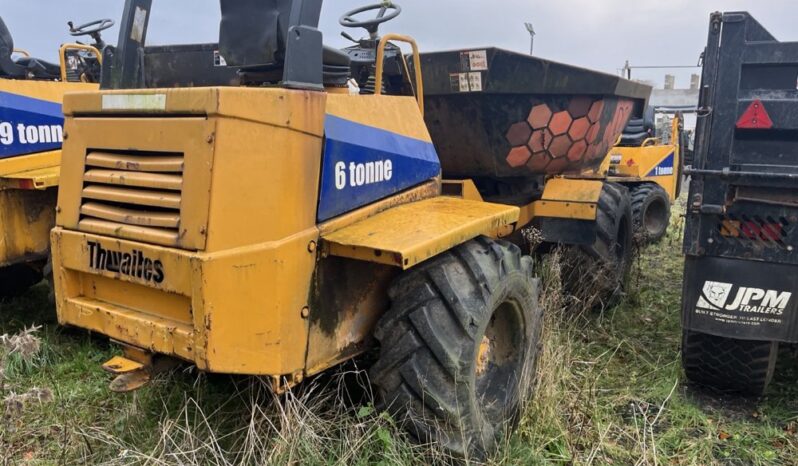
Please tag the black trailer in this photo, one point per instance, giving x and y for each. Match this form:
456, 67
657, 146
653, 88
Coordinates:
741, 271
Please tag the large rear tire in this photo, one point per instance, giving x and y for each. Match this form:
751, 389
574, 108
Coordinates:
16, 279
727, 364
459, 345
651, 211
594, 275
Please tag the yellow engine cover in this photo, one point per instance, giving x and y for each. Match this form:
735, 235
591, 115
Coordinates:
187, 225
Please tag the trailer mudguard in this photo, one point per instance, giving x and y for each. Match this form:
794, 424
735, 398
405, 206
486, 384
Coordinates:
741, 227
741, 299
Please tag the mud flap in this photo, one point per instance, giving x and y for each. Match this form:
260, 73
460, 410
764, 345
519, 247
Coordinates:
566, 230
746, 300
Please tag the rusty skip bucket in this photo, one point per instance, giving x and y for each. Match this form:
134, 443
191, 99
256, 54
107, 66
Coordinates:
495, 113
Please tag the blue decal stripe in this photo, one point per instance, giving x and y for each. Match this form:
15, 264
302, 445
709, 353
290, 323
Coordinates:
28, 125
378, 139
667, 162
362, 164
29, 104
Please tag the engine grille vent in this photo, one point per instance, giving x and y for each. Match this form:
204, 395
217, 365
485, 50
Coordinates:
133, 195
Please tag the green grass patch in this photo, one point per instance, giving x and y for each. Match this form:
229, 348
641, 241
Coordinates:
610, 391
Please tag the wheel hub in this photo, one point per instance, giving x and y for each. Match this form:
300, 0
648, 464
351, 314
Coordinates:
483, 355
655, 218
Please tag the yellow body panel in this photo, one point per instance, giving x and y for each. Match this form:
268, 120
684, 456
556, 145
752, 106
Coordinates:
383, 112
410, 234
43, 90
160, 139
120, 365
42, 167
211, 233
562, 198
566, 198
239, 311
28, 184
464, 189
567, 190
238, 270
15, 167
37, 178
637, 164
634, 165
26, 217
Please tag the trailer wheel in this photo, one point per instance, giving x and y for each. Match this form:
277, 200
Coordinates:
651, 211
594, 275
16, 279
727, 364
459, 345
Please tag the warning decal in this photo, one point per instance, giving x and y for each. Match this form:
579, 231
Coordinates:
476, 60
466, 82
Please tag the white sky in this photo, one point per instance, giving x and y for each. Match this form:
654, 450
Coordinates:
597, 34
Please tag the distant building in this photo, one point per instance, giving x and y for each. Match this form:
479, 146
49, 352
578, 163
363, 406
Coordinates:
670, 99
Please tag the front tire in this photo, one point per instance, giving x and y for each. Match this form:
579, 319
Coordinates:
651, 211
459, 345
594, 275
727, 364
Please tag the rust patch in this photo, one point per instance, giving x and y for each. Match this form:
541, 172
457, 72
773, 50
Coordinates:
483, 356
540, 140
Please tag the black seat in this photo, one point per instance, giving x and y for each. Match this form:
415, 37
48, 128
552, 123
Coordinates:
254, 36
39, 67
639, 129
336, 66
335, 57
24, 67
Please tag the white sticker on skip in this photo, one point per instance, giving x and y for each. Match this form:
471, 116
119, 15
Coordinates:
478, 60
134, 102
139, 21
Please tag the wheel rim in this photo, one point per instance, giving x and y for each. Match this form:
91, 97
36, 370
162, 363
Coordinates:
655, 218
499, 361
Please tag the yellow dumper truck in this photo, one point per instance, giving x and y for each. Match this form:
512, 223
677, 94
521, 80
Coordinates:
31, 133
271, 206
651, 167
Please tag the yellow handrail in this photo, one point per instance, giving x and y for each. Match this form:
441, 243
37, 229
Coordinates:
62, 56
675, 133
22, 52
650, 142
419, 87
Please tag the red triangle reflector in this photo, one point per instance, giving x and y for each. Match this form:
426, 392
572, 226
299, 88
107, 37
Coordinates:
756, 117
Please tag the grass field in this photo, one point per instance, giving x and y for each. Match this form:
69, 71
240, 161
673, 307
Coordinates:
610, 392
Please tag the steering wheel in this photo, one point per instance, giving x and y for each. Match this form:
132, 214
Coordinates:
371, 25
90, 28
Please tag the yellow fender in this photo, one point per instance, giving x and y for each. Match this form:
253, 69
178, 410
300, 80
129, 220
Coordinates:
409, 234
